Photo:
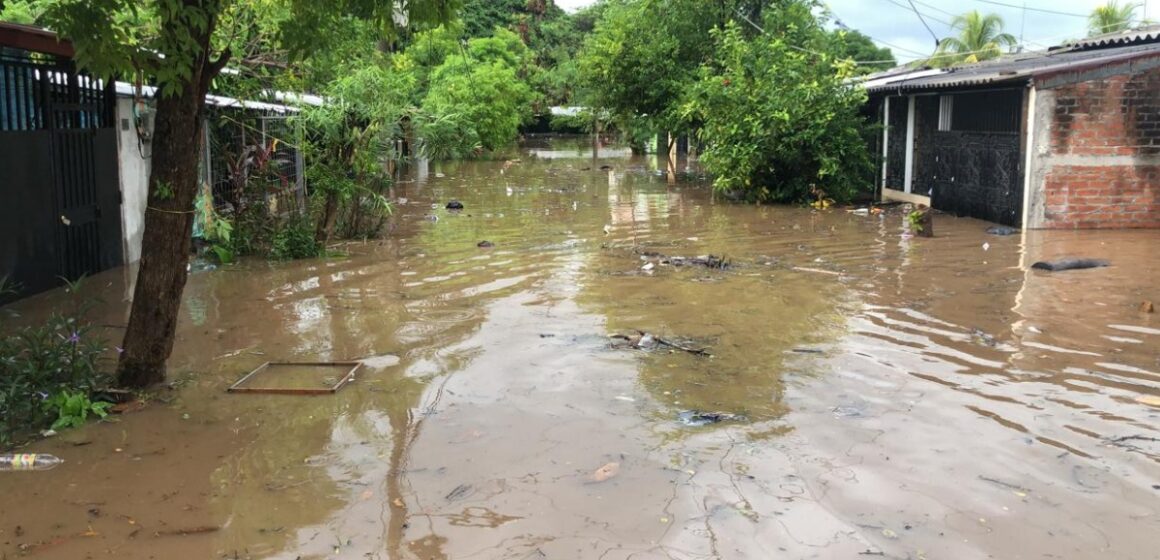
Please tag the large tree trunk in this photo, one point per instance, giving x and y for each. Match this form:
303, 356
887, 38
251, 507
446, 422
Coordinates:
165, 245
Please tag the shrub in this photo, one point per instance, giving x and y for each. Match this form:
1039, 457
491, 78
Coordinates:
39, 364
294, 239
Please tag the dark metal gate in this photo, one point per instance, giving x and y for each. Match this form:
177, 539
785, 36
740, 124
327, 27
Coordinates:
58, 149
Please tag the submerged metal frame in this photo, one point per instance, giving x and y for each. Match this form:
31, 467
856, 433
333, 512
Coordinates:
237, 386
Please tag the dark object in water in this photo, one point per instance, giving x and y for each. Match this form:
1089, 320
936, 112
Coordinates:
485, 244
1002, 230
455, 205
697, 418
605, 167
1070, 264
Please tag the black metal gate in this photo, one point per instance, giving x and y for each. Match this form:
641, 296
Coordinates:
58, 149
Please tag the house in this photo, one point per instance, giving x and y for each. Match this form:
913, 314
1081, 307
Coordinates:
58, 165
237, 132
75, 158
1067, 138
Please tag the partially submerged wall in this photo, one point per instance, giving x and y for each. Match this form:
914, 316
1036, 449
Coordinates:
1096, 160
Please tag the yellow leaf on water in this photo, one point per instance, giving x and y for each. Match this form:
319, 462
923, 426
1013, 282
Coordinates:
1150, 400
606, 472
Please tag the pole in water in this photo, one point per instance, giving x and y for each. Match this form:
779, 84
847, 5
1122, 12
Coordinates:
28, 462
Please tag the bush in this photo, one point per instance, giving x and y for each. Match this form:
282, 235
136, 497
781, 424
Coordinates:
42, 367
777, 119
294, 239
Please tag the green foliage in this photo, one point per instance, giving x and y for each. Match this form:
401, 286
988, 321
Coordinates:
40, 362
1112, 17
294, 239
645, 54
487, 98
981, 37
914, 220
72, 409
777, 119
26, 12
854, 46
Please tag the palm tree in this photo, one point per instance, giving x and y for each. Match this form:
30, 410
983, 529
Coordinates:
980, 37
1111, 18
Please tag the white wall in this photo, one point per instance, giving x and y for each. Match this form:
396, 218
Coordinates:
134, 180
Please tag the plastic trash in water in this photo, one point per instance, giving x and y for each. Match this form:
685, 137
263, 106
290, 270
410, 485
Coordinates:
28, 462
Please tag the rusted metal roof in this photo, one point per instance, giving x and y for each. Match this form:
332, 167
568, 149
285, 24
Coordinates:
35, 39
1016, 69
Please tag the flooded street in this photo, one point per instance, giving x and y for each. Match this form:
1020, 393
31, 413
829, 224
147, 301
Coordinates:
867, 394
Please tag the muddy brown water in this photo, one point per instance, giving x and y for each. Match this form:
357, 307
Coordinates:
909, 398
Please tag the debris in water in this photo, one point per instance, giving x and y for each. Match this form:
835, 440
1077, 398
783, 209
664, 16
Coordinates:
1150, 400
381, 361
1070, 264
485, 244
458, 492
816, 270
296, 378
606, 472
455, 205
697, 418
986, 246
847, 411
625, 399
188, 531
1002, 230
645, 341
29, 462
1147, 307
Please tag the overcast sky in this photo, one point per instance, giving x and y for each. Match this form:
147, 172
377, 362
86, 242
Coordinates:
893, 24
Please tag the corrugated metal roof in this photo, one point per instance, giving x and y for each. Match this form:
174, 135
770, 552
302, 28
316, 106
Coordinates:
1010, 69
1119, 38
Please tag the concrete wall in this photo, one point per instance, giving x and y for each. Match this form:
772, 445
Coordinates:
134, 180
1095, 161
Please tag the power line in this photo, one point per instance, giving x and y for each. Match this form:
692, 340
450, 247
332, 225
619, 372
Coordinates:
935, 8
920, 18
909, 8
1041, 10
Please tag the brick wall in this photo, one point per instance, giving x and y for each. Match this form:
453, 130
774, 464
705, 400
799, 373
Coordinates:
1092, 197
1105, 151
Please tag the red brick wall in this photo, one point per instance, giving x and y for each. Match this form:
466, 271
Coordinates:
1092, 197
1105, 134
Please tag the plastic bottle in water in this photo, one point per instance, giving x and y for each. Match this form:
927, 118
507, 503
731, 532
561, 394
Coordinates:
28, 462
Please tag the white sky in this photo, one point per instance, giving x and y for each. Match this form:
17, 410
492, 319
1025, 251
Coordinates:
893, 21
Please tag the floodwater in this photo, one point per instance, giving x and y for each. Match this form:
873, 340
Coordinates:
880, 396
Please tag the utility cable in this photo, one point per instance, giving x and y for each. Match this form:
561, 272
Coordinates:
920, 18
1041, 10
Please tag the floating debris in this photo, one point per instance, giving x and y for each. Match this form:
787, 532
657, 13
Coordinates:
1070, 264
696, 418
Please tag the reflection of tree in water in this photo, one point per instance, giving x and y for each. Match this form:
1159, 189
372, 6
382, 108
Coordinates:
750, 317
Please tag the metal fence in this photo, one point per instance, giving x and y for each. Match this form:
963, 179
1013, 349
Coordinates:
254, 157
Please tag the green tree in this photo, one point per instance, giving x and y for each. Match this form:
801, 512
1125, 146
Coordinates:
21, 11
1112, 18
483, 89
182, 45
855, 46
776, 116
980, 37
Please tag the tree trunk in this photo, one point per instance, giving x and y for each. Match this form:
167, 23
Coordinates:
165, 246
329, 216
